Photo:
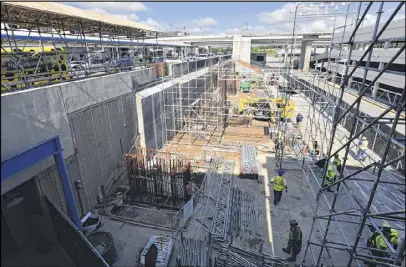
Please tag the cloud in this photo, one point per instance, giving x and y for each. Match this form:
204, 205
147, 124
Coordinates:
113, 7
125, 10
281, 20
278, 15
205, 22
133, 16
196, 26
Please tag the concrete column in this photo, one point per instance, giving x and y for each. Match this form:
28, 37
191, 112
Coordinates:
305, 54
375, 90
286, 56
208, 49
242, 48
195, 50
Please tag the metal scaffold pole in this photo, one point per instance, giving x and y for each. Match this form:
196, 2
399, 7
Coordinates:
338, 125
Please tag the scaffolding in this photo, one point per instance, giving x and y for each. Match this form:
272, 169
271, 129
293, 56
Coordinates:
370, 191
198, 105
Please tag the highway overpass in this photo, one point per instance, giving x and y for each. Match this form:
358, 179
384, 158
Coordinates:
242, 43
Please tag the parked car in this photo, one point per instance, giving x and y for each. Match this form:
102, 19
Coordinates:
220, 54
202, 56
191, 58
78, 65
121, 62
211, 55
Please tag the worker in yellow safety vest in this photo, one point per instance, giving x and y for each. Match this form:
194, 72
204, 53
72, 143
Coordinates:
378, 245
391, 234
331, 175
362, 147
279, 183
337, 163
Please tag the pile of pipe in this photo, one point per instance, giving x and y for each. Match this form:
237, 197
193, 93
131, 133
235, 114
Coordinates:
244, 213
193, 253
248, 164
233, 256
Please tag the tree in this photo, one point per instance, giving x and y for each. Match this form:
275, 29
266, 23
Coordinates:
255, 50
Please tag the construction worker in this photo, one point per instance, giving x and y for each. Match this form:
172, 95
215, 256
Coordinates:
279, 183
316, 150
278, 141
376, 241
295, 240
362, 147
330, 177
391, 234
250, 118
299, 119
337, 163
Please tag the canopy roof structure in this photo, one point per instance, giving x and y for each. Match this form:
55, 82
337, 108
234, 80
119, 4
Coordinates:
68, 18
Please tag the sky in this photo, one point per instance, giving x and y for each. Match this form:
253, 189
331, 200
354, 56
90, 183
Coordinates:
230, 17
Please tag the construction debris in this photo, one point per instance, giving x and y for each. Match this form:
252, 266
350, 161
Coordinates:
233, 256
244, 213
193, 253
164, 247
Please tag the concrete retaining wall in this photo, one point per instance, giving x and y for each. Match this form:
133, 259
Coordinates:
179, 69
28, 118
158, 119
95, 118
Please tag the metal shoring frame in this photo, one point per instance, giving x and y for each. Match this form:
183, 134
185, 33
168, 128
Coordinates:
352, 129
221, 217
372, 173
289, 70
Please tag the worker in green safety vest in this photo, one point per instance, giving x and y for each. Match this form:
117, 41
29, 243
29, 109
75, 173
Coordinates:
295, 240
378, 246
337, 163
331, 175
279, 183
391, 234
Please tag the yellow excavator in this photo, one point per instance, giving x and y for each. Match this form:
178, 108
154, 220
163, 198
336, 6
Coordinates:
267, 108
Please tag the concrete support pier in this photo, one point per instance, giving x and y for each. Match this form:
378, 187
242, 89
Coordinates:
242, 48
305, 54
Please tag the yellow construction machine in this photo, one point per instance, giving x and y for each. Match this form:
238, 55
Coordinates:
267, 108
